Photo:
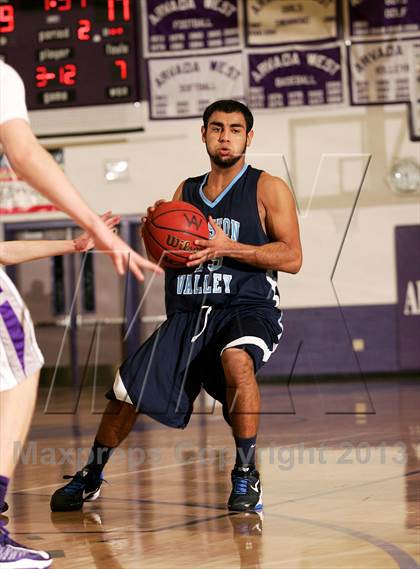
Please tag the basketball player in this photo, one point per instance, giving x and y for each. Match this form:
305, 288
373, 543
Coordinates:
224, 320
20, 356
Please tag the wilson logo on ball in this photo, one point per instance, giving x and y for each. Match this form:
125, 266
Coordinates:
176, 243
193, 220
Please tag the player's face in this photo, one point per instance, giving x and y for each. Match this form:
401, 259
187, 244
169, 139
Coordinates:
226, 138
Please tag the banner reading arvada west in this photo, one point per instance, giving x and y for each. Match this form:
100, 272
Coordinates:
182, 87
170, 27
295, 77
380, 72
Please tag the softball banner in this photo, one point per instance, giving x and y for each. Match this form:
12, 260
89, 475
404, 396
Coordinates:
369, 18
176, 26
182, 87
273, 22
380, 72
295, 77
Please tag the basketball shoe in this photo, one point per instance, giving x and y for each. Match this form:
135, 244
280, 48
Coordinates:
84, 487
246, 492
16, 556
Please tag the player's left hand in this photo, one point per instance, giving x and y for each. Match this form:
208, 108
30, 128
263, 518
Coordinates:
85, 241
218, 246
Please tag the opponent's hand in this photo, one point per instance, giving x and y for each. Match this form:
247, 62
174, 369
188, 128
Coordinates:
218, 246
121, 254
85, 241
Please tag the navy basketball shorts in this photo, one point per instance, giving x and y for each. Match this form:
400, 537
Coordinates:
164, 376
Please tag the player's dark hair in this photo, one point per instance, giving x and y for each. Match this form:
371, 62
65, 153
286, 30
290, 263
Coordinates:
229, 106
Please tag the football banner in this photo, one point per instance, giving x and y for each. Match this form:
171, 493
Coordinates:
170, 27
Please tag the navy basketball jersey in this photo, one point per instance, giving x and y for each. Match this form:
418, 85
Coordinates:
224, 282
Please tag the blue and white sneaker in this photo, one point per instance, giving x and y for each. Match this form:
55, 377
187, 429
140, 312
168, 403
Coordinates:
246, 492
16, 556
84, 487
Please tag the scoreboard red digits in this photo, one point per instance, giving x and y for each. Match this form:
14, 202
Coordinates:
85, 50
43, 76
123, 4
61, 5
67, 74
83, 31
7, 18
122, 64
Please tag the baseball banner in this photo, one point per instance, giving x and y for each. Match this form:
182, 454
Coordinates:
170, 27
295, 77
273, 22
369, 18
182, 87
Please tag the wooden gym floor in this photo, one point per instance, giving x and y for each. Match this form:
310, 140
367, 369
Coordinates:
340, 464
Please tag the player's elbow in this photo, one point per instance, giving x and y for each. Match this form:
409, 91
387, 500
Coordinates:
4, 259
20, 158
295, 263
20, 145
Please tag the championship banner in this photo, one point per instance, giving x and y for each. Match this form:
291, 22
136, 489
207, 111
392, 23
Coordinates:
274, 22
369, 18
295, 77
170, 27
380, 72
182, 87
16, 196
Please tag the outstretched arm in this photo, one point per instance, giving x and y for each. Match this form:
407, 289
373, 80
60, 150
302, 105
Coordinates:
34, 164
15, 252
284, 253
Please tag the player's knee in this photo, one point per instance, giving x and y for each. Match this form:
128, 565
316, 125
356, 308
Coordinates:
238, 366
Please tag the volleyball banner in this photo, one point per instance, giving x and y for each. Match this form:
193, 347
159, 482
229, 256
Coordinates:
182, 87
190, 25
295, 77
276, 22
380, 72
382, 17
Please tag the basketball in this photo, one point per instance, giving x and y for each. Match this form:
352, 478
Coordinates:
169, 233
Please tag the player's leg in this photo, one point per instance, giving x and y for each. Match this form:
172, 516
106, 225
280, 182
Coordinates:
243, 402
13, 431
148, 381
21, 361
243, 405
242, 392
14, 426
247, 341
117, 422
